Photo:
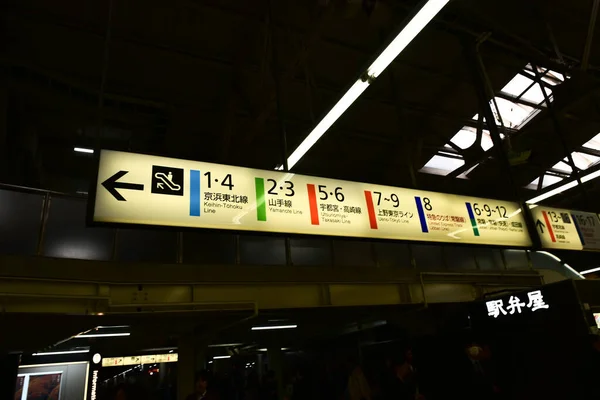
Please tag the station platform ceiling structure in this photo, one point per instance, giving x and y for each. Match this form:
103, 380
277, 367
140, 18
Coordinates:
220, 81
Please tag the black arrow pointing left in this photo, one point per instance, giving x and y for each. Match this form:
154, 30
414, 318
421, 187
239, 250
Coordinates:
112, 185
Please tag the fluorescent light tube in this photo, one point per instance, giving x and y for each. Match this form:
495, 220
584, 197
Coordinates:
225, 345
83, 150
589, 177
266, 328
552, 192
406, 35
112, 326
55, 353
341, 106
589, 271
220, 357
88, 335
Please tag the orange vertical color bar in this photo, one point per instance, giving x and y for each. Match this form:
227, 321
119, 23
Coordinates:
312, 201
371, 209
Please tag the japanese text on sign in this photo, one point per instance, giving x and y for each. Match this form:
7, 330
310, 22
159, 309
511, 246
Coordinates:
496, 308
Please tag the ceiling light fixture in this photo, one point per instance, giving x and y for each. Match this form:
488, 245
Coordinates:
403, 39
552, 192
589, 271
220, 357
562, 188
83, 150
266, 328
96, 335
112, 326
56, 353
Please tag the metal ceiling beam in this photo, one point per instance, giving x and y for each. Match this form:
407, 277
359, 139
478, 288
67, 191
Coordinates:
558, 130
585, 59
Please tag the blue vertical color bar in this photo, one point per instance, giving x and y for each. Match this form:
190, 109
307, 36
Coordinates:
578, 230
194, 193
421, 215
473, 220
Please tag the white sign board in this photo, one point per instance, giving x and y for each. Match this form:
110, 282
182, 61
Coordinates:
143, 189
566, 229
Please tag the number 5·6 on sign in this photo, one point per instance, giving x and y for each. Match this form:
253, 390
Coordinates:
150, 190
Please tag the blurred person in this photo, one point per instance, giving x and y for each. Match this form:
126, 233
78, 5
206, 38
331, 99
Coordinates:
480, 380
202, 390
357, 386
404, 383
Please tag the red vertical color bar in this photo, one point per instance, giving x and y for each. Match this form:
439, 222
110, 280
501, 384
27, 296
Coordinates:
549, 226
312, 201
371, 209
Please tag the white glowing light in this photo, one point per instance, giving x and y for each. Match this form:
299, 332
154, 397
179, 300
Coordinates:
589, 271
265, 328
96, 335
56, 353
403, 39
83, 150
341, 106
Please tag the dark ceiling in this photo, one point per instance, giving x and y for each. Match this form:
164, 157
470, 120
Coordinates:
196, 79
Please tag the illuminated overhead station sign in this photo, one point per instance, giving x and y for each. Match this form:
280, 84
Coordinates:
566, 229
150, 190
138, 360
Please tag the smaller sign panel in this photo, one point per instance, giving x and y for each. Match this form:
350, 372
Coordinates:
165, 358
566, 229
132, 360
151, 359
113, 362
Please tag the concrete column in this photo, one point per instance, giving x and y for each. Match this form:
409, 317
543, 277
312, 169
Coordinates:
186, 366
276, 364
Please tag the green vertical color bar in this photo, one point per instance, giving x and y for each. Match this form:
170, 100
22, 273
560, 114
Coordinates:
261, 208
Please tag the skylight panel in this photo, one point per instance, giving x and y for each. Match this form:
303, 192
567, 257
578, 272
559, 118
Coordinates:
584, 161
465, 138
442, 165
535, 94
593, 143
517, 85
513, 114
553, 78
563, 166
548, 181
